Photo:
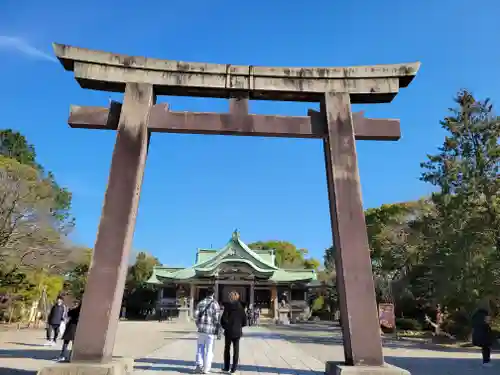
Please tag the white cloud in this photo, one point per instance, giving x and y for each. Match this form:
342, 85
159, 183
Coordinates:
19, 45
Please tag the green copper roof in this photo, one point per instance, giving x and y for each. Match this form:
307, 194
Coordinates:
293, 275
204, 254
234, 252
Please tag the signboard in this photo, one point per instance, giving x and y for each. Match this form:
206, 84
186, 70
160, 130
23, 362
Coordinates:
386, 315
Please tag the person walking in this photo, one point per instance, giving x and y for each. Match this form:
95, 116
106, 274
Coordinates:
256, 315
207, 318
57, 315
70, 331
249, 313
233, 320
482, 334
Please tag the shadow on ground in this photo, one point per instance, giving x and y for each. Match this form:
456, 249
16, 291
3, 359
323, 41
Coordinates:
26, 344
186, 367
14, 371
297, 334
417, 366
47, 354
180, 332
306, 326
442, 366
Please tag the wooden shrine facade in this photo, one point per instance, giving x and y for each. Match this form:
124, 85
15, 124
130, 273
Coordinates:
235, 267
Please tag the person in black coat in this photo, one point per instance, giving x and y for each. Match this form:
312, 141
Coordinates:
58, 314
482, 334
70, 331
233, 320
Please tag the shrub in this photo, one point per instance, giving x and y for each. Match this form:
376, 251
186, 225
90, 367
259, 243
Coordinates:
322, 315
458, 324
407, 324
318, 304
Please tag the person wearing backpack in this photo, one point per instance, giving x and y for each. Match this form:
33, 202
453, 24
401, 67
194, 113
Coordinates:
206, 316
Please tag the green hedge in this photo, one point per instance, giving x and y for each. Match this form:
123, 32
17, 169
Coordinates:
407, 324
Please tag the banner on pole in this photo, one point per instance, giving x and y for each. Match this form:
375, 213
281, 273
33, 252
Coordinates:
386, 315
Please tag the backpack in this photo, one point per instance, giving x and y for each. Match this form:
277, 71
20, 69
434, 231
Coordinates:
202, 313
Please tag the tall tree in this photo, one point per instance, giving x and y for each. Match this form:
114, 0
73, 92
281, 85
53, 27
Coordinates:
141, 270
28, 236
76, 278
138, 294
329, 259
287, 255
312, 264
327, 293
15, 146
463, 256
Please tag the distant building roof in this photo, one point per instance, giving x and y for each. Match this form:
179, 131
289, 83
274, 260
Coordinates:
209, 261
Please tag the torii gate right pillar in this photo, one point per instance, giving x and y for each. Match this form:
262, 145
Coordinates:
360, 328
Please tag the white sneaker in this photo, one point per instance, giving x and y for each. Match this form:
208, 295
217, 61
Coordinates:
488, 364
48, 343
53, 343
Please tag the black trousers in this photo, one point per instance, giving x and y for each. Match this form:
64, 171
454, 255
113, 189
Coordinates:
235, 342
64, 350
52, 328
486, 352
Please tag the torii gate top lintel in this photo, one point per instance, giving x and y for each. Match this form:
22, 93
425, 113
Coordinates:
108, 71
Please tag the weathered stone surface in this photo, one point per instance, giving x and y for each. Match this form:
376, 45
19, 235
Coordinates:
120, 366
336, 368
95, 335
163, 120
110, 72
358, 309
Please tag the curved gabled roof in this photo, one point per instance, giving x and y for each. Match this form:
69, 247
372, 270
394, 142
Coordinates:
235, 251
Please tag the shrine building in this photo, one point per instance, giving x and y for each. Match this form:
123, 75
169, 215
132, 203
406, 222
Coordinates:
252, 273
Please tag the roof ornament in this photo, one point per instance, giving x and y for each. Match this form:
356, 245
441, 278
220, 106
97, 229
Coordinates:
236, 235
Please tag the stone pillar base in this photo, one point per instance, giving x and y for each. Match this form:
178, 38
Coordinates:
338, 368
120, 366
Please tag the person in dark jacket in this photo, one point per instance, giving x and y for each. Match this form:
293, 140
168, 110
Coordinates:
233, 320
56, 316
69, 332
482, 335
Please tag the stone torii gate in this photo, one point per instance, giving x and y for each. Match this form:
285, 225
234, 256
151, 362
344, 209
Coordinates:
141, 79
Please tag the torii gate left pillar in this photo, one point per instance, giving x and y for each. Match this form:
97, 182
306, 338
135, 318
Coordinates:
141, 79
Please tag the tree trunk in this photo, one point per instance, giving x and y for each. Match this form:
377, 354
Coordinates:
11, 313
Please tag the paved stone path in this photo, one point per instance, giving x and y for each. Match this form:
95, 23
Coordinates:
261, 352
169, 348
324, 342
22, 352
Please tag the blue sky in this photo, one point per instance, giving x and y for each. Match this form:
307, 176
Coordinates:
198, 189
